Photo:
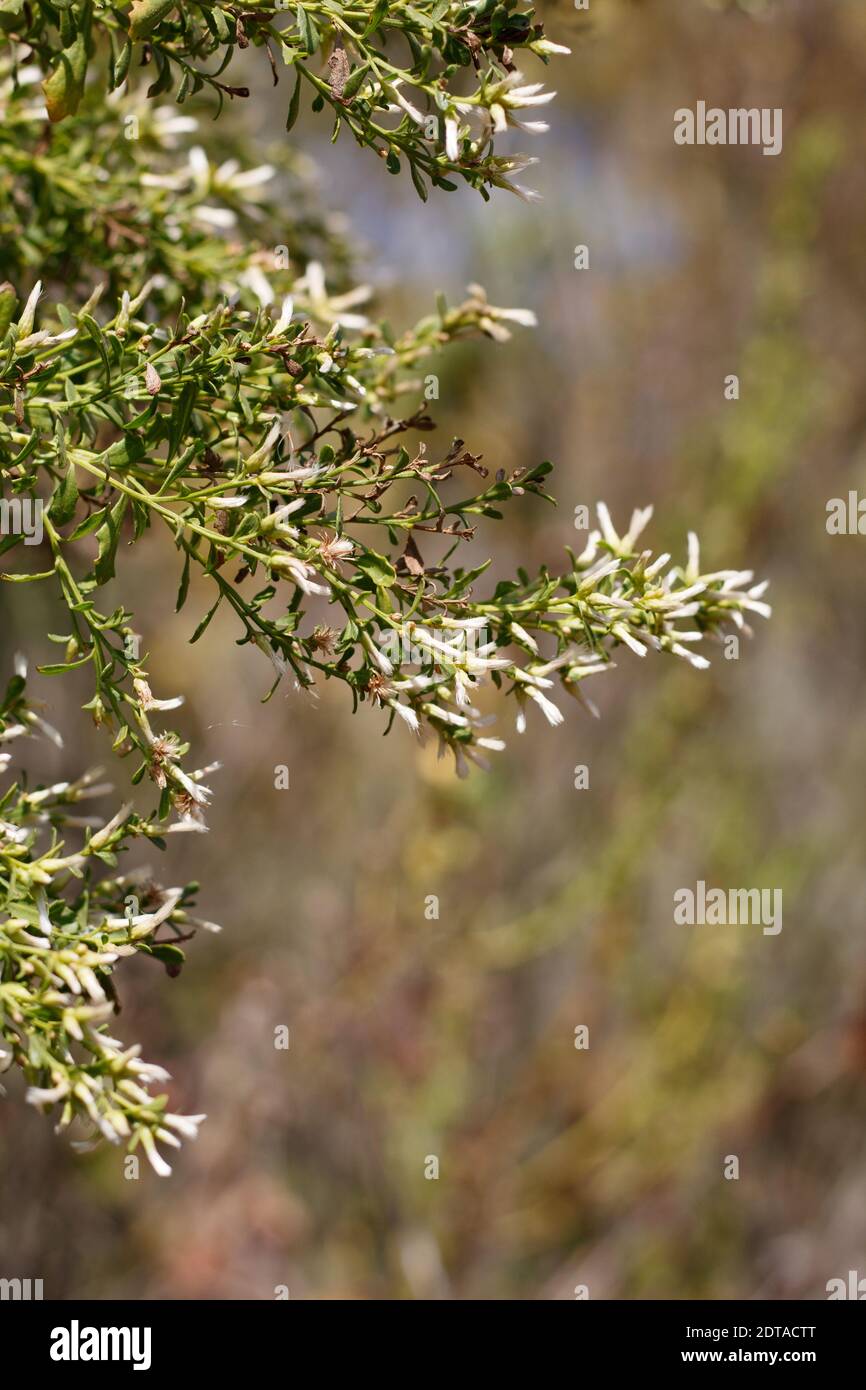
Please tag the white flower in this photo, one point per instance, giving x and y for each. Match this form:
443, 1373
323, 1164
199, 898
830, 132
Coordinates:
201, 795
37, 1095
148, 1071
187, 1125
175, 182
25, 323
278, 662
621, 631
607, 527
169, 123
588, 554
42, 908
254, 279
407, 714
527, 195
333, 549
157, 1162
452, 148
300, 572
101, 838
465, 624
639, 520
601, 571
406, 105
286, 311
219, 503
91, 984
165, 1136
523, 636
675, 599
142, 690
199, 167
693, 568
276, 519
762, 609
446, 715
525, 317
658, 564
332, 309
530, 94
260, 456
229, 176
222, 218
552, 713
700, 662
548, 46
530, 127
13, 834
461, 687
460, 762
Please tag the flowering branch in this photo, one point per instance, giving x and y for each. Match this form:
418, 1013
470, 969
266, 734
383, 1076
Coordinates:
408, 105
66, 923
188, 361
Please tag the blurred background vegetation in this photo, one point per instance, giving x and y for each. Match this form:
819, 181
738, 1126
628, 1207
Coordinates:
455, 1037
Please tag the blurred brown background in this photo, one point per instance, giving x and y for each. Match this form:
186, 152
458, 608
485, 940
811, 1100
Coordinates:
455, 1037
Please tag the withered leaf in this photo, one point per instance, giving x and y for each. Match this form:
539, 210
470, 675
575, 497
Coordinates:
411, 560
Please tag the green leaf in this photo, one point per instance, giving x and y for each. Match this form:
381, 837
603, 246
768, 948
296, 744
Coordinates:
64, 87
307, 31
418, 181
124, 451
8, 305
120, 71
183, 588
146, 14
354, 81
205, 622
65, 497
89, 524
294, 104
96, 334
107, 538
180, 417
378, 568
171, 956
58, 668
381, 9
463, 581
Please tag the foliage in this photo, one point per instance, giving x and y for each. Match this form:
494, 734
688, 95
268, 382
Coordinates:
173, 359
410, 106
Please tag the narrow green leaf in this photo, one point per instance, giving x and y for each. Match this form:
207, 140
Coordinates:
65, 497
107, 538
294, 104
